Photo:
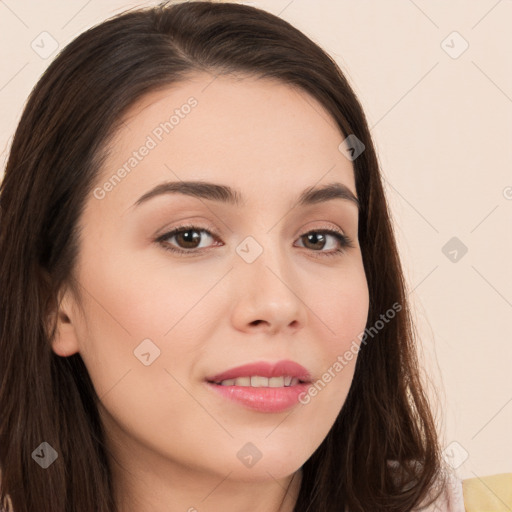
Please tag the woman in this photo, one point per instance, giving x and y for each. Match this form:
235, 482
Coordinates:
202, 303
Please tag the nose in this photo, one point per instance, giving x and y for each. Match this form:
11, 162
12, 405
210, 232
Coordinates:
268, 296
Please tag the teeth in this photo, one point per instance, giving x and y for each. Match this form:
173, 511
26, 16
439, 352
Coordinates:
242, 381
275, 382
261, 382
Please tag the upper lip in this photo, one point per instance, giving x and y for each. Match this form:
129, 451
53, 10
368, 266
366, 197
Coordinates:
264, 369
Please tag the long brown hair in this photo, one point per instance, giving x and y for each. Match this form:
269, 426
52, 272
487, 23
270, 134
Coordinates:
56, 155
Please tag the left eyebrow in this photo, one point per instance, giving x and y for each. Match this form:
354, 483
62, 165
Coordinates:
229, 195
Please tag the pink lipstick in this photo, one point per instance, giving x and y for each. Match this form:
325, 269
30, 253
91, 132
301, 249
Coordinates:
263, 386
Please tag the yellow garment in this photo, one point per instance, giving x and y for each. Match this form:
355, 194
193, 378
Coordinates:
488, 494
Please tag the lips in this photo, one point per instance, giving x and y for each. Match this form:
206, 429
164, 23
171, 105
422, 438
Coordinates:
285, 368
262, 400
256, 385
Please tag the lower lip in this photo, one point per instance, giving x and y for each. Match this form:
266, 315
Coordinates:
262, 399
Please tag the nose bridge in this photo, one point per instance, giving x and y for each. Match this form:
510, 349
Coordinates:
265, 266
256, 247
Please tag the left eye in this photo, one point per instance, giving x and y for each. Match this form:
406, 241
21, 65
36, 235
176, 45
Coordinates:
188, 238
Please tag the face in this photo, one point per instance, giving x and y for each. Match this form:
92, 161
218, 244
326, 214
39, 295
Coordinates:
262, 279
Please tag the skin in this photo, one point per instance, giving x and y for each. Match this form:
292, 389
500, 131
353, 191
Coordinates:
173, 442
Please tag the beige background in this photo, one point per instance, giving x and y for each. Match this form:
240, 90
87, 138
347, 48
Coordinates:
442, 123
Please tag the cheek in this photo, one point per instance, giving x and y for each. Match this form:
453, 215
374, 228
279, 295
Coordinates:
343, 310
134, 297
341, 315
142, 320
140, 375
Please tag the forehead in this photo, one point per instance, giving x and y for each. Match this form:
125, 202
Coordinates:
257, 134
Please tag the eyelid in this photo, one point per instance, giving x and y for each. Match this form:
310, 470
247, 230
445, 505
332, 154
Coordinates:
199, 224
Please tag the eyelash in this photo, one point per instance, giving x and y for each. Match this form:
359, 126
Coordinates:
344, 241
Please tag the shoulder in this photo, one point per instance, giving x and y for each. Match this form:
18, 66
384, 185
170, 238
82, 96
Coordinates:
480, 494
449, 492
493, 492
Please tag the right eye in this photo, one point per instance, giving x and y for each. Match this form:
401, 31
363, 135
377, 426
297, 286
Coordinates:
187, 235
